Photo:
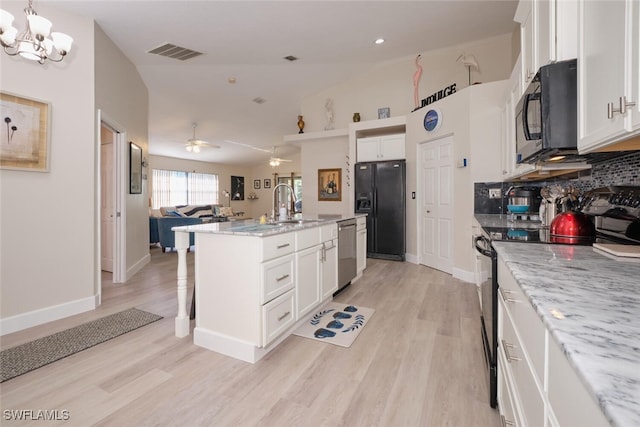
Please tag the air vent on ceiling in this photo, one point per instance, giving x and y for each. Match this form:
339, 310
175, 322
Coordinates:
259, 100
291, 58
176, 52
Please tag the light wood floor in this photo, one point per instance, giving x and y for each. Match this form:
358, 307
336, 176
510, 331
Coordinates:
418, 362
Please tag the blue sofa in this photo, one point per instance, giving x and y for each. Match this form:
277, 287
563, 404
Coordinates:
165, 236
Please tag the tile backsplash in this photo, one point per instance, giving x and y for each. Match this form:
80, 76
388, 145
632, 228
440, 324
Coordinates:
624, 170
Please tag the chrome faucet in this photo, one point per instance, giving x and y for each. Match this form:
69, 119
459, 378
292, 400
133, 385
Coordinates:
273, 200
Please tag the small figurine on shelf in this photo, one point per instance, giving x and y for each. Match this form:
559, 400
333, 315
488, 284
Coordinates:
300, 124
328, 108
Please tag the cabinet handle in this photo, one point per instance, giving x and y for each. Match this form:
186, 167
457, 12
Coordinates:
622, 109
506, 346
283, 246
284, 315
279, 279
502, 292
505, 422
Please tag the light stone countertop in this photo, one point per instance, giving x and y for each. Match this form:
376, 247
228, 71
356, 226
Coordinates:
254, 228
599, 297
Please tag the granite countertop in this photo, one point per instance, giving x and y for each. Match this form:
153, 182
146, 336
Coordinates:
254, 228
598, 330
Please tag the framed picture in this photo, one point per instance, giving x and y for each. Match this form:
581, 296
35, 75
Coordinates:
267, 183
384, 113
24, 140
330, 185
256, 184
237, 188
135, 169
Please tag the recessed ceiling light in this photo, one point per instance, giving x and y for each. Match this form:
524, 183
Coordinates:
379, 41
231, 80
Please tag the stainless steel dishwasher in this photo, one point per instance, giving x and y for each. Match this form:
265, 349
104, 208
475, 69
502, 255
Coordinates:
346, 252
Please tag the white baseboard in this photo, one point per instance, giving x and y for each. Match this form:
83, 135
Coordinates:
413, 259
46, 315
138, 266
464, 275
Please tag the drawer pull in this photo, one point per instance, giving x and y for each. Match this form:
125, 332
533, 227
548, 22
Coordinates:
281, 278
502, 292
506, 422
283, 246
284, 315
510, 358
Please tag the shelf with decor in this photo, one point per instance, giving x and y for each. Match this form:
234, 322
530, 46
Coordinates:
316, 135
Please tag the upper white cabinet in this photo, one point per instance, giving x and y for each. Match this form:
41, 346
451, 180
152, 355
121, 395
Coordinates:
377, 148
548, 33
608, 79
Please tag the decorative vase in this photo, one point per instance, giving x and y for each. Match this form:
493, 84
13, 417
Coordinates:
300, 124
356, 117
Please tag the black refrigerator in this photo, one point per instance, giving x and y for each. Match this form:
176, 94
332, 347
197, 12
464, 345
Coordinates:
380, 193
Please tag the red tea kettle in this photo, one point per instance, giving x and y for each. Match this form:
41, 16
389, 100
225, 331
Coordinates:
572, 228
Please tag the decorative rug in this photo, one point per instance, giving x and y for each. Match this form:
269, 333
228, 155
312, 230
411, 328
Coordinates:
26, 357
336, 323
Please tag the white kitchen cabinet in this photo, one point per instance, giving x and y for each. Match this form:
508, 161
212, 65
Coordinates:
329, 269
525, 16
548, 33
608, 62
378, 148
361, 245
537, 386
308, 262
251, 290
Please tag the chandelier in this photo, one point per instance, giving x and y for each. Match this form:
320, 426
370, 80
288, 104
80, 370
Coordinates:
34, 42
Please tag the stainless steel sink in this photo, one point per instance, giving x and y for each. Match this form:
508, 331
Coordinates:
298, 221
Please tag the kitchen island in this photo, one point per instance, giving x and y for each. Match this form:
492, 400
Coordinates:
254, 283
589, 306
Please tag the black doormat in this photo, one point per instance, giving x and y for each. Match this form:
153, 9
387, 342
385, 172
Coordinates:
26, 357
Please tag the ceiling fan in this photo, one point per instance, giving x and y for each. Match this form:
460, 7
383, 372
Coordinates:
194, 144
275, 161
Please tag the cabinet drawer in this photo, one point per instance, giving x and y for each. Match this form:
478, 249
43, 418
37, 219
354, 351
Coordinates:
526, 392
570, 401
361, 223
529, 326
277, 277
307, 238
277, 316
505, 393
278, 245
328, 232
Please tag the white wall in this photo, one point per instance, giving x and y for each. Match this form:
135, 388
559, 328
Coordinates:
327, 153
391, 84
122, 96
472, 117
47, 219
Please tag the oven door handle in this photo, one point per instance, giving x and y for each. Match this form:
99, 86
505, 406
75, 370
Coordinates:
483, 250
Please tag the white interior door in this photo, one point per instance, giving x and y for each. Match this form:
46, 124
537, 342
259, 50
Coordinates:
107, 198
436, 207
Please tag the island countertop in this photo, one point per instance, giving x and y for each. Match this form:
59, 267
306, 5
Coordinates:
599, 330
254, 228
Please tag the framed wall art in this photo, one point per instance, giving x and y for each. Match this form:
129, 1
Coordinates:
135, 169
330, 185
237, 188
25, 137
256, 184
267, 183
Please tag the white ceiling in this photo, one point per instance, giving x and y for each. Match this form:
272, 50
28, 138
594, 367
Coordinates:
248, 40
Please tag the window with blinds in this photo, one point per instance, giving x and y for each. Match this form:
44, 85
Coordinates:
172, 188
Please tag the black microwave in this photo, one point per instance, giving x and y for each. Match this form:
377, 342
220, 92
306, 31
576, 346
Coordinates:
546, 115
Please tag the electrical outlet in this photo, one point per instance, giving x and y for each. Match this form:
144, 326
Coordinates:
495, 193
